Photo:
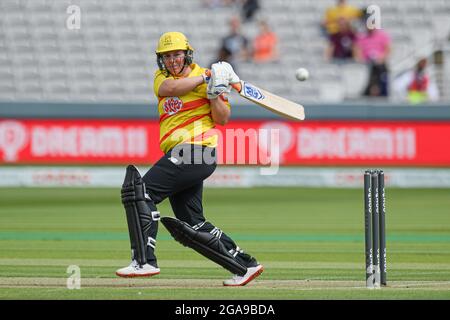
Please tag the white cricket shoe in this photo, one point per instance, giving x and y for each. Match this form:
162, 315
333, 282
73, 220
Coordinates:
134, 270
251, 274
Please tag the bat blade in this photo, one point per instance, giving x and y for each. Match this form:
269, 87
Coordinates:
270, 101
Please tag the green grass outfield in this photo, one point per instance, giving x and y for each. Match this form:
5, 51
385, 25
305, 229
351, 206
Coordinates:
311, 242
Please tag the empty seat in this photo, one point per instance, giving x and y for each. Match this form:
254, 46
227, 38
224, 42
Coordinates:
7, 91
56, 75
6, 77
60, 88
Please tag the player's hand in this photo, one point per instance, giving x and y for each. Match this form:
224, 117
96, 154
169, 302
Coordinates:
225, 70
213, 91
219, 82
232, 76
219, 75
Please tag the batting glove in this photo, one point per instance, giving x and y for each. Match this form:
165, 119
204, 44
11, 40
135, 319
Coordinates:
232, 76
213, 92
219, 82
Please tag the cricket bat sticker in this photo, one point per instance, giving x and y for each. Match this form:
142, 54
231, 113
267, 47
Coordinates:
252, 92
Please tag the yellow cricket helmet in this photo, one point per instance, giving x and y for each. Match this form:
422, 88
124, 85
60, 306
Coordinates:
170, 41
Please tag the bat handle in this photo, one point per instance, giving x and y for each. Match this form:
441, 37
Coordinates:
236, 86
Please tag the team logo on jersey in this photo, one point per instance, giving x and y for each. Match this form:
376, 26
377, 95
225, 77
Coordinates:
252, 92
172, 105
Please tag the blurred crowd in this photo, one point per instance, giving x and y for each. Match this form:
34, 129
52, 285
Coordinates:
235, 46
351, 37
354, 37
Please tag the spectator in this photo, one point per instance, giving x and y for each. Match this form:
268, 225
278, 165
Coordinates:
249, 8
265, 44
373, 48
342, 42
234, 46
416, 85
340, 10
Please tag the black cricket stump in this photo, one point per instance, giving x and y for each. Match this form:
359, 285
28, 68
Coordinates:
375, 231
375, 228
382, 213
368, 228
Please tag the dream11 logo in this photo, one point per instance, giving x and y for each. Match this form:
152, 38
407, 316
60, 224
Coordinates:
13, 138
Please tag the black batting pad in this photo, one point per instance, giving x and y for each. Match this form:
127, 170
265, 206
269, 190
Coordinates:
204, 243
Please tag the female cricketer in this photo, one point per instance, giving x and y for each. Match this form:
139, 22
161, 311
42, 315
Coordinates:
190, 103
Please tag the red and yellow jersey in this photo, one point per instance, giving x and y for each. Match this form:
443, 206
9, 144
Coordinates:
186, 118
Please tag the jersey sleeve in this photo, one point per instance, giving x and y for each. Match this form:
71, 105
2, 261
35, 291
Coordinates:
159, 79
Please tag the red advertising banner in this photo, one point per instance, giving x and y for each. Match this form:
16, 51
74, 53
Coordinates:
80, 141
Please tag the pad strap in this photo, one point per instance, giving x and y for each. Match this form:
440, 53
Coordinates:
156, 215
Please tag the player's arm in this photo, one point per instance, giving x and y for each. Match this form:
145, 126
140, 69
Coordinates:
222, 76
179, 87
220, 112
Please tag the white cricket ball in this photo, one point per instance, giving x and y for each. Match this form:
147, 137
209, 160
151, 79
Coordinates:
301, 74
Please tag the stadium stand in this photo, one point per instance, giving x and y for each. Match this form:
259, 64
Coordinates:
111, 57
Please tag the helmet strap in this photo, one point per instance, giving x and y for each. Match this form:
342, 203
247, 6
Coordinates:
161, 65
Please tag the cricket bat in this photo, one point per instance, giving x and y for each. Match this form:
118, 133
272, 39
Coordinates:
270, 101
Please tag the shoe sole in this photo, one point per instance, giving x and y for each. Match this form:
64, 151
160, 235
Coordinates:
252, 277
135, 275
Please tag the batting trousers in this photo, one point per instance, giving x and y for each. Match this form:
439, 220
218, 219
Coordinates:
179, 176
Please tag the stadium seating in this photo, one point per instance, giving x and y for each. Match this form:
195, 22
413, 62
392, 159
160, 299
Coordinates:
111, 58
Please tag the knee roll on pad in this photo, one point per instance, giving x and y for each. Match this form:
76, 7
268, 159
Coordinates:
205, 243
139, 215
